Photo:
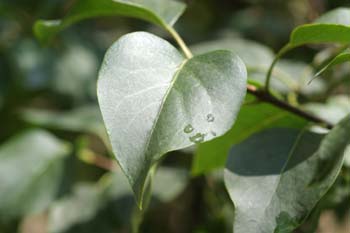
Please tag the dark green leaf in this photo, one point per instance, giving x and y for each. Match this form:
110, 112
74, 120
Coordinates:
163, 13
252, 118
30, 172
271, 176
332, 27
154, 101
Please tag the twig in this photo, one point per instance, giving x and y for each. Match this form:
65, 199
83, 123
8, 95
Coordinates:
267, 97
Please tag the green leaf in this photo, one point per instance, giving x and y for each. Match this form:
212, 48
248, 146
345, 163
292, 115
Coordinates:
332, 27
154, 101
82, 119
163, 13
273, 188
76, 64
252, 118
339, 59
31, 167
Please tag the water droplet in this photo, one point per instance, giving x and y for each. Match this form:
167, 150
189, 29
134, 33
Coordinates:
188, 129
213, 133
210, 118
198, 138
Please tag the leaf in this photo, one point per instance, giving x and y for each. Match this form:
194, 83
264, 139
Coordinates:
339, 59
163, 13
332, 27
76, 64
31, 167
82, 119
273, 189
252, 118
154, 101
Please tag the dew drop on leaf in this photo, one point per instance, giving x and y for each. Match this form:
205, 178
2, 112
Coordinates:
188, 129
198, 138
210, 118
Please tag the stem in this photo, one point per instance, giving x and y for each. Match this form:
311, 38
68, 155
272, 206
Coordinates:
267, 97
180, 42
285, 49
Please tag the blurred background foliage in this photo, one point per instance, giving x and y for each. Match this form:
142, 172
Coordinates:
57, 173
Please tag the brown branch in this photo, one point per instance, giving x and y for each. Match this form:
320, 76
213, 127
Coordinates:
267, 97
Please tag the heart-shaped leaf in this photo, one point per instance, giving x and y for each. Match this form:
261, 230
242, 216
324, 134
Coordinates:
154, 101
274, 189
163, 13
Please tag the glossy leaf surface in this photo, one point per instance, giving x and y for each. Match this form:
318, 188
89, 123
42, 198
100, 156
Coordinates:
154, 101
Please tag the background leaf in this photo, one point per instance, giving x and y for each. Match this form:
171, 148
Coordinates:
276, 192
162, 102
163, 13
31, 168
83, 119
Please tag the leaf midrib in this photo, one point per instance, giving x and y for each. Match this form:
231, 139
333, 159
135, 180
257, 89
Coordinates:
156, 120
